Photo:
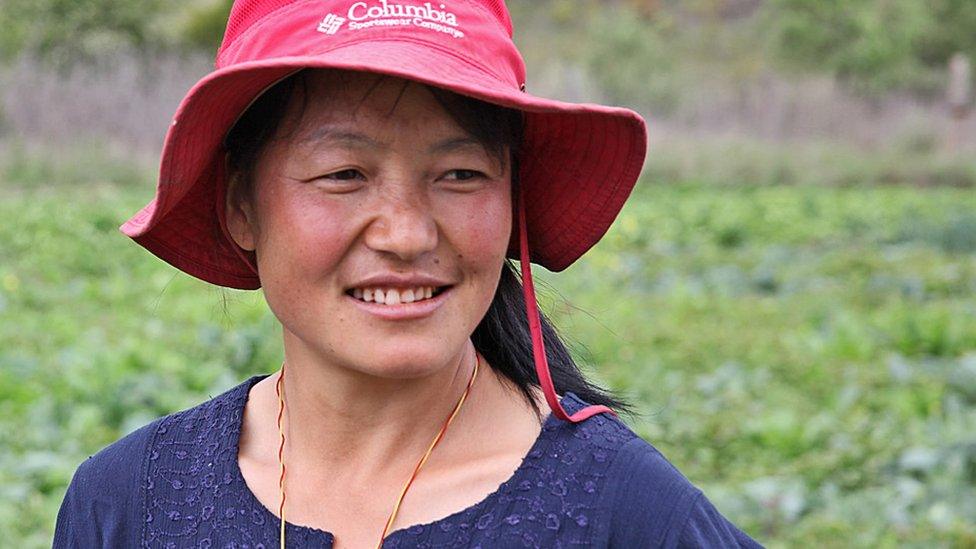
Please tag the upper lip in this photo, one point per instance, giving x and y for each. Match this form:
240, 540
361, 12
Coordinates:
400, 281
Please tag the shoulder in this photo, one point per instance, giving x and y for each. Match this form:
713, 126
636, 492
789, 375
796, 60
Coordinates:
103, 496
649, 502
552, 499
105, 501
643, 499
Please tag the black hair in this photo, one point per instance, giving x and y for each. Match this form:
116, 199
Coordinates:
503, 335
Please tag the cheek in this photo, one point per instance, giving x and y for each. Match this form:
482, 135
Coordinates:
479, 233
302, 239
301, 245
496, 230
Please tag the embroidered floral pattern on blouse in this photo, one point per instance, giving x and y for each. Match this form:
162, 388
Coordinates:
195, 495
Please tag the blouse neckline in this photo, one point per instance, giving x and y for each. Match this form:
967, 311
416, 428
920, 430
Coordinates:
569, 401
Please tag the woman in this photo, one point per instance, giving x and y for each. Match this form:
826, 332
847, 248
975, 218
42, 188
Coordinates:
370, 166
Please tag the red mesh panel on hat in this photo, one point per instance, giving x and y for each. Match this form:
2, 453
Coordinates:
501, 12
247, 12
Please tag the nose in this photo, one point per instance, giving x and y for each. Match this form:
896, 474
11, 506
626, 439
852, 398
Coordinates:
402, 225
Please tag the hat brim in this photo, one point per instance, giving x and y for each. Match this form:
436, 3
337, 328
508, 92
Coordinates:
578, 164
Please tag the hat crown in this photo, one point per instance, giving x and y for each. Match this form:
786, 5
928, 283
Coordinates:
245, 13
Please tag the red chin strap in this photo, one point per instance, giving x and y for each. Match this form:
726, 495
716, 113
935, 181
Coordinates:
535, 327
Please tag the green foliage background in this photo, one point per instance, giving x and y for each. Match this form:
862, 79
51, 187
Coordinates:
874, 46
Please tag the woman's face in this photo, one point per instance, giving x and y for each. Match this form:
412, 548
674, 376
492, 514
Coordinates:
372, 192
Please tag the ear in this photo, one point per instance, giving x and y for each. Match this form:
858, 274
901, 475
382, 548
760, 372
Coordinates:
240, 219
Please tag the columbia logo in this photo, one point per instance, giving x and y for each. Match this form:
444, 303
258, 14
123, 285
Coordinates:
331, 24
376, 14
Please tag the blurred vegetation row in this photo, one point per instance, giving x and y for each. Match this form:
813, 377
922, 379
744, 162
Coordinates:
873, 46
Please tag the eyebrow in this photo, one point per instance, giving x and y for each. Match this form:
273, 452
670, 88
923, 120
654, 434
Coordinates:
342, 138
352, 139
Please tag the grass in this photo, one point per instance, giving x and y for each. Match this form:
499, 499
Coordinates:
805, 354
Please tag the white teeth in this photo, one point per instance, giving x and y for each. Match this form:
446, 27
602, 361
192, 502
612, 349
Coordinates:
393, 296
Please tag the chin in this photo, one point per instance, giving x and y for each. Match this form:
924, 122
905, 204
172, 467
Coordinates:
400, 363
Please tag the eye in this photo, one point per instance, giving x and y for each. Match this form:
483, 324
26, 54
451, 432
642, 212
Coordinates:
339, 182
463, 175
343, 175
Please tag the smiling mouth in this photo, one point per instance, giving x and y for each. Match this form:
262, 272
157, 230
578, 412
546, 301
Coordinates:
396, 296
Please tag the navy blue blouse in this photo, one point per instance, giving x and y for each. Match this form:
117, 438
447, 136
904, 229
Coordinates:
176, 483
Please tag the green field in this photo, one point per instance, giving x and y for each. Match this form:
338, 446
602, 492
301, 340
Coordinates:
806, 355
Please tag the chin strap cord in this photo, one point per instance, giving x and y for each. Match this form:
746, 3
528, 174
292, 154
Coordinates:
535, 327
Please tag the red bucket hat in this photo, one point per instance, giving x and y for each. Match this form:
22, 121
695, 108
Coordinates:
578, 162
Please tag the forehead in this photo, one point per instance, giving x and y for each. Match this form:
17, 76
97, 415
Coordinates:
386, 107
